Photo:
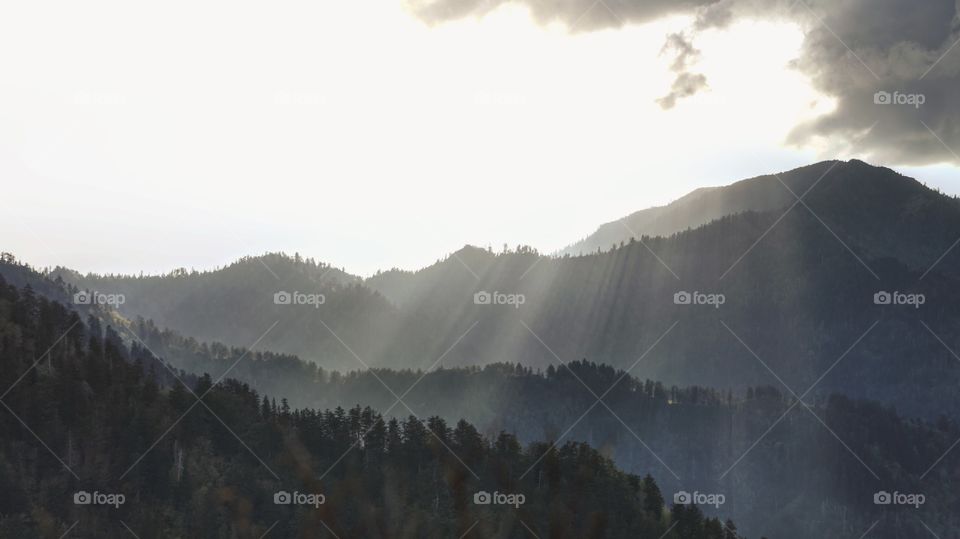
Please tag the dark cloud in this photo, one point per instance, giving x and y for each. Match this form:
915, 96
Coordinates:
856, 51
890, 67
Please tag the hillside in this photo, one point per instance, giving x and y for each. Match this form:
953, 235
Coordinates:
237, 304
796, 480
692, 438
786, 278
686, 437
96, 444
760, 194
798, 289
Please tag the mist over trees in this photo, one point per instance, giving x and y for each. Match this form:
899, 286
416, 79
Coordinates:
96, 420
687, 437
799, 283
787, 346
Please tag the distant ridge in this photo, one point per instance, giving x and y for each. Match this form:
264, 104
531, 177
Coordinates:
799, 282
699, 207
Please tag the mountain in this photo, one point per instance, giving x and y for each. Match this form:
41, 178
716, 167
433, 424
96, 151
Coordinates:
704, 395
760, 194
791, 475
98, 443
788, 471
238, 304
695, 209
798, 285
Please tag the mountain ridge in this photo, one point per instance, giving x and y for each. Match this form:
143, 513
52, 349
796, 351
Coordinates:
703, 205
786, 274
699, 430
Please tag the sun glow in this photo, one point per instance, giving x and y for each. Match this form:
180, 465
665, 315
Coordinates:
478, 131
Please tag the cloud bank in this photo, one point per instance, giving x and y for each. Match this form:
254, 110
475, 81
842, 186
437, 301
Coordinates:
893, 66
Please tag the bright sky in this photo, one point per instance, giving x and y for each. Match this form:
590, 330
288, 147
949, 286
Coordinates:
148, 137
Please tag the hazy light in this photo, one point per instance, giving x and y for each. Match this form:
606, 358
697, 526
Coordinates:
137, 138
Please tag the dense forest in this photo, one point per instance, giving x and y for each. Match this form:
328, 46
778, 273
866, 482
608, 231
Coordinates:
89, 418
799, 398
803, 478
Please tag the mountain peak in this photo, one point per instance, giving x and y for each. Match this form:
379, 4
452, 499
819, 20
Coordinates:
701, 206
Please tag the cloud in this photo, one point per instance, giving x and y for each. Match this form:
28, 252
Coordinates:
860, 51
686, 84
853, 51
685, 52
579, 15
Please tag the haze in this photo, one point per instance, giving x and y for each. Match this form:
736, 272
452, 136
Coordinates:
360, 135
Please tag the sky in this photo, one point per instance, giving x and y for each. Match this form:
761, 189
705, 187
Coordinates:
373, 135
